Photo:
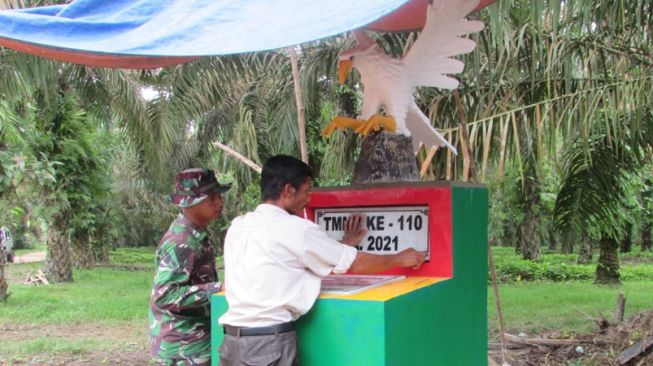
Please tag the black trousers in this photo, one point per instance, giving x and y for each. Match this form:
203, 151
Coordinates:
268, 350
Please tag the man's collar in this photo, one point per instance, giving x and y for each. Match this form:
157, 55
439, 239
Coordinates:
193, 229
268, 207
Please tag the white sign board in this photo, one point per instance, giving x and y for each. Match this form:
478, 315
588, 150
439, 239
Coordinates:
391, 229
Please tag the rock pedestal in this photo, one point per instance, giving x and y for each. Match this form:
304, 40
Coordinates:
386, 157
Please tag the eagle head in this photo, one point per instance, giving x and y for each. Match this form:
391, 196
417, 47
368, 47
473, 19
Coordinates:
352, 57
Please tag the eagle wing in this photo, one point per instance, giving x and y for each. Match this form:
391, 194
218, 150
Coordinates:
428, 60
422, 131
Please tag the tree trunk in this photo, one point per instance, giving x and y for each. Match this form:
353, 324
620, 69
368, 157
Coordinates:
552, 239
82, 251
386, 157
4, 292
100, 249
518, 239
585, 251
647, 220
646, 235
530, 233
566, 246
607, 271
627, 242
58, 263
530, 248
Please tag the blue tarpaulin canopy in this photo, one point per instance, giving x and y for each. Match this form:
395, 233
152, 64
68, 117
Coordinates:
154, 33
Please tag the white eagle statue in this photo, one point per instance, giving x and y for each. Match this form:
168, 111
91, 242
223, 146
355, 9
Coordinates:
389, 82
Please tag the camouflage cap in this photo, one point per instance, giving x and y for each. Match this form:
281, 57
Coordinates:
194, 185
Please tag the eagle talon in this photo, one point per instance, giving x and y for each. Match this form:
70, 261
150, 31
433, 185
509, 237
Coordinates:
359, 126
340, 123
389, 124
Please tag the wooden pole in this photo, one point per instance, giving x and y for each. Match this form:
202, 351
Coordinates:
238, 156
300, 105
497, 300
621, 305
472, 166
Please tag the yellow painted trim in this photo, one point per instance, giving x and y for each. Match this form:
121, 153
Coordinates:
389, 290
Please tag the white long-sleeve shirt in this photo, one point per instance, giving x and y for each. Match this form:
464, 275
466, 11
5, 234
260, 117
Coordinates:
274, 262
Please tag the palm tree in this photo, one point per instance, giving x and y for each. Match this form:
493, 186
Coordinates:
40, 91
594, 192
544, 77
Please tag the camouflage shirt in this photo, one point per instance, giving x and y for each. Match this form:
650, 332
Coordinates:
180, 320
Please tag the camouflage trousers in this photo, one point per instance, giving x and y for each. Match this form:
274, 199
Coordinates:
192, 354
203, 361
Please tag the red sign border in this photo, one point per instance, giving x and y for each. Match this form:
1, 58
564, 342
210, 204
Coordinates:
438, 200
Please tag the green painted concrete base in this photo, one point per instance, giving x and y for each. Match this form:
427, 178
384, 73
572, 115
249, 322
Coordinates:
443, 324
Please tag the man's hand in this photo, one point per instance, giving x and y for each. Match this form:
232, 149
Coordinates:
374, 263
355, 230
411, 258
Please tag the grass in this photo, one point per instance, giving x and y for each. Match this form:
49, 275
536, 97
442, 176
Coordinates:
530, 307
143, 257
101, 296
98, 299
117, 301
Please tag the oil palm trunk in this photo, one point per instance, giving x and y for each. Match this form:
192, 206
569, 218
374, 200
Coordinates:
607, 271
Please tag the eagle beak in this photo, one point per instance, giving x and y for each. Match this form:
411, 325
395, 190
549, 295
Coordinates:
343, 70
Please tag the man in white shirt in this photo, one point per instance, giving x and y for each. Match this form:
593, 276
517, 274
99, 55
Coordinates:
274, 261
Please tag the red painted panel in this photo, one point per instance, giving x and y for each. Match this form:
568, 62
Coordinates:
438, 200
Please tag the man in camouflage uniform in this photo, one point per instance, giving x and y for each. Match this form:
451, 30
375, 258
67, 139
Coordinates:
180, 319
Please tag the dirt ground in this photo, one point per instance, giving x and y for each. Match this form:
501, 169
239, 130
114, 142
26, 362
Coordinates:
32, 257
132, 340
599, 348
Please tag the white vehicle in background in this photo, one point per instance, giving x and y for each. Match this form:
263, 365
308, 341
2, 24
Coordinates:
7, 243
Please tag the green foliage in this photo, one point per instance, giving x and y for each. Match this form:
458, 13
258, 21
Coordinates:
595, 189
505, 215
559, 268
143, 256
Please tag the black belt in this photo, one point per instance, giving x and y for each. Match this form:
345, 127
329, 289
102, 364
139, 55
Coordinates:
257, 331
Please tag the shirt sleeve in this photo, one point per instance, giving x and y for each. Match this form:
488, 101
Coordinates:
172, 290
323, 255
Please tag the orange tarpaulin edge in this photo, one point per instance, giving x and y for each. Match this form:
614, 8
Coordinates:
410, 17
97, 59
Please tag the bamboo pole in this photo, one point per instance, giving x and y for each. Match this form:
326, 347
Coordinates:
238, 156
300, 105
